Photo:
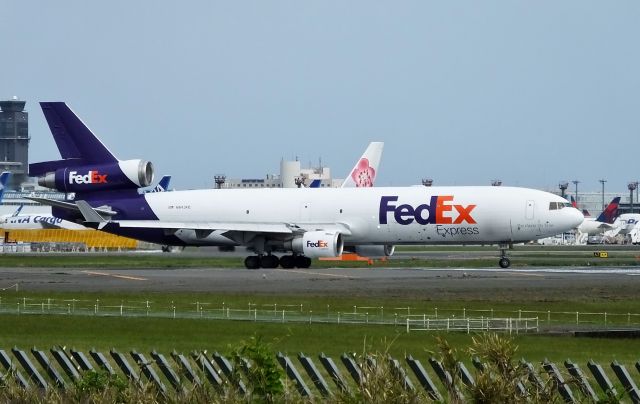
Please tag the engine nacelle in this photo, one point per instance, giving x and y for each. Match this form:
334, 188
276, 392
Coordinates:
126, 174
372, 250
316, 244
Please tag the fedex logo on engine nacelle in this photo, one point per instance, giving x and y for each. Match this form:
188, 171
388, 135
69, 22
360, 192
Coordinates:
92, 177
438, 211
317, 244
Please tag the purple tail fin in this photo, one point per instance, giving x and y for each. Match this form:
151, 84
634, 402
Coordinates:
77, 144
610, 213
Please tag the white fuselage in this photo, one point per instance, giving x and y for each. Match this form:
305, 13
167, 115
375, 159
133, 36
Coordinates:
590, 226
624, 224
407, 215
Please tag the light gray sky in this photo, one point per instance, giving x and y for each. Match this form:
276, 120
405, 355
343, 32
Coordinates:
530, 92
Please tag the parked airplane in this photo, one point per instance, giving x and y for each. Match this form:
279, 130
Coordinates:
4, 179
625, 225
603, 222
305, 223
364, 172
162, 186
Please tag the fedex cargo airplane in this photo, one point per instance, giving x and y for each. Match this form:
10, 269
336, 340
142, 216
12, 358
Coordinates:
303, 223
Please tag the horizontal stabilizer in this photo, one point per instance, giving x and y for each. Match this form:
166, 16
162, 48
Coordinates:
68, 205
89, 213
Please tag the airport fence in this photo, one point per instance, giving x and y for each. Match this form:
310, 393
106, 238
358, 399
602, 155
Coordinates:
176, 378
464, 319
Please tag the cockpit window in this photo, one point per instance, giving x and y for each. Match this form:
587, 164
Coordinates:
558, 205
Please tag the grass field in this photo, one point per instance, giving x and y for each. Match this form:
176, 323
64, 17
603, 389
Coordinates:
186, 334
166, 334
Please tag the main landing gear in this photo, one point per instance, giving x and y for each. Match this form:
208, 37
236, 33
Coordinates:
504, 261
272, 261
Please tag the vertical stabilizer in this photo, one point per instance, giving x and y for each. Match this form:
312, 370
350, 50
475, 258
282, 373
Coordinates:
365, 171
4, 180
163, 184
78, 146
610, 213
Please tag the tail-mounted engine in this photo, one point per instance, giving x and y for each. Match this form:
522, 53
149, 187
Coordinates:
126, 174
315, 244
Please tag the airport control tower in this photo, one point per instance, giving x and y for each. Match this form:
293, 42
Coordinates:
14, 141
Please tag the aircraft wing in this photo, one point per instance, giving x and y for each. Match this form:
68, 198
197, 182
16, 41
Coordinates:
239, 227
226, 226
94, 216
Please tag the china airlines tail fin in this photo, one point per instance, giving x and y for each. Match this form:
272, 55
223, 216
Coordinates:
610, 213
364, 172
4, 179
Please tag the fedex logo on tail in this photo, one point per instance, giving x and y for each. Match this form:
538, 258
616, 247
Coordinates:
439, 210
92, 177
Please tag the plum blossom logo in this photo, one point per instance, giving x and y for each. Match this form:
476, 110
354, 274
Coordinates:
363, 175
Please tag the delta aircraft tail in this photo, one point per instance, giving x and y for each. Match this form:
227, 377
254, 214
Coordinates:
610, 213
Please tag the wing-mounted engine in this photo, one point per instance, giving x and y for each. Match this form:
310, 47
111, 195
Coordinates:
128, 174
316, 244
371, 250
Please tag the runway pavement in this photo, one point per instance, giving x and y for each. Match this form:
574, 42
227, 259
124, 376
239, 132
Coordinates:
462, 284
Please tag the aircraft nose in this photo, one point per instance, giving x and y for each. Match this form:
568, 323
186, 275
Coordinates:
574, 217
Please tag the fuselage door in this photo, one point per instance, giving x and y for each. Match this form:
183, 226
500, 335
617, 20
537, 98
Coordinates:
531, 205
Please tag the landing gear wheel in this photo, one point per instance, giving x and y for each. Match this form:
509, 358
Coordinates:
252, 262
270, 261
287, 261
302, 261
504, 263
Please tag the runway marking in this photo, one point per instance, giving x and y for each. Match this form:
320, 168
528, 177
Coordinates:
316, 273
523, 274
131, 278
634, 271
